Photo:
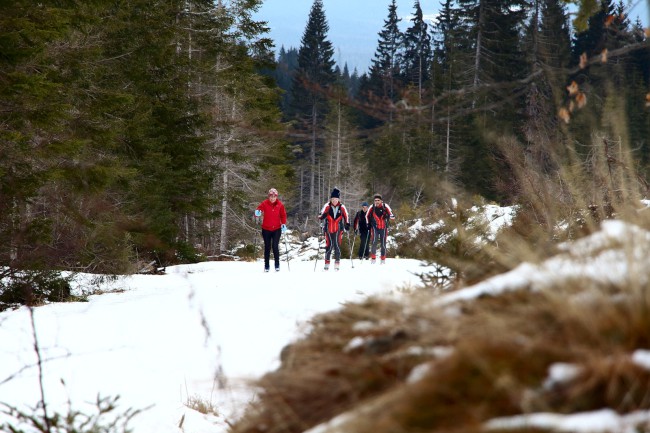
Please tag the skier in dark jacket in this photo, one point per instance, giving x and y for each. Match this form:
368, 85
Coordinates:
362, 228
377, 217
274, 223
335, 221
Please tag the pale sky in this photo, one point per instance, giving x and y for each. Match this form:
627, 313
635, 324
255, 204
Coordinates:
355, 24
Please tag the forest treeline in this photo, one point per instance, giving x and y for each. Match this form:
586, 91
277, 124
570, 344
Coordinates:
131, 132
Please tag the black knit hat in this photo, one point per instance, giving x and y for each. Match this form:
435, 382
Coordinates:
378, 196
335, 193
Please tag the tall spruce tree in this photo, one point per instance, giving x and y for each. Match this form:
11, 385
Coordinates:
415, 60
314, 76
384, 69
164, 137
490, 35
548, 48
554, 35
34, 112
448, 74
418, 131
638, 82
593, 39
614, 85
596, 81
494, 30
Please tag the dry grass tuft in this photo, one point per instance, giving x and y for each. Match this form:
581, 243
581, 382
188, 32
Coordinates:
614, 382
328, 373
502, 349
201, 405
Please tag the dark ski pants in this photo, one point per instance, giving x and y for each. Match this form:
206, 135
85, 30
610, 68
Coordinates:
379, 235
333, 242
271, 240
364, 248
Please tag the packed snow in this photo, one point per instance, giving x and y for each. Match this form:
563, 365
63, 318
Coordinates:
200, 331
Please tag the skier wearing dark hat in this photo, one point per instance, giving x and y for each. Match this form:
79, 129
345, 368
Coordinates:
335, 221
362, 228
377, 218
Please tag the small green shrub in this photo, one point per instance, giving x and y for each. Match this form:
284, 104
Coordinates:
249, 251
33, 287
186, 253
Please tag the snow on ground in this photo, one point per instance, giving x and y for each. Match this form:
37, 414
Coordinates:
200, 331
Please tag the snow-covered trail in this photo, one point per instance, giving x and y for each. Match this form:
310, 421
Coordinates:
170, 337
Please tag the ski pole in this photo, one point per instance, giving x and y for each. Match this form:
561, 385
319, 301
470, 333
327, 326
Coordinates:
255, 236
351, 261
286, 249
365, 245
317, 250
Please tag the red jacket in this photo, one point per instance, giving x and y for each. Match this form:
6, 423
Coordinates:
336, 217
274, 214
378, 216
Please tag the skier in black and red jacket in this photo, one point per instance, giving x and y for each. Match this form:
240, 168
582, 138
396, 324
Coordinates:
335, 221
377, 217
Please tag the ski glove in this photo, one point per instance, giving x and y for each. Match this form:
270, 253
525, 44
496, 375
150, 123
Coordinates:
284, 228
258, 212
347, 227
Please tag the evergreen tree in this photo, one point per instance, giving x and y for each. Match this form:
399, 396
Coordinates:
493, 32
34, 112
164, 136
405, 145
109, 143
415, 60
379, 90
349, 81
638, 81
448, 70
284, 76
384, 70
355, 84
548, 45
554, 35
601, 82
489, 43
593, 39
314, 76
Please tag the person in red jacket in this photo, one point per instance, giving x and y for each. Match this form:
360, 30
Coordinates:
377, 217
274, 223
335, 221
